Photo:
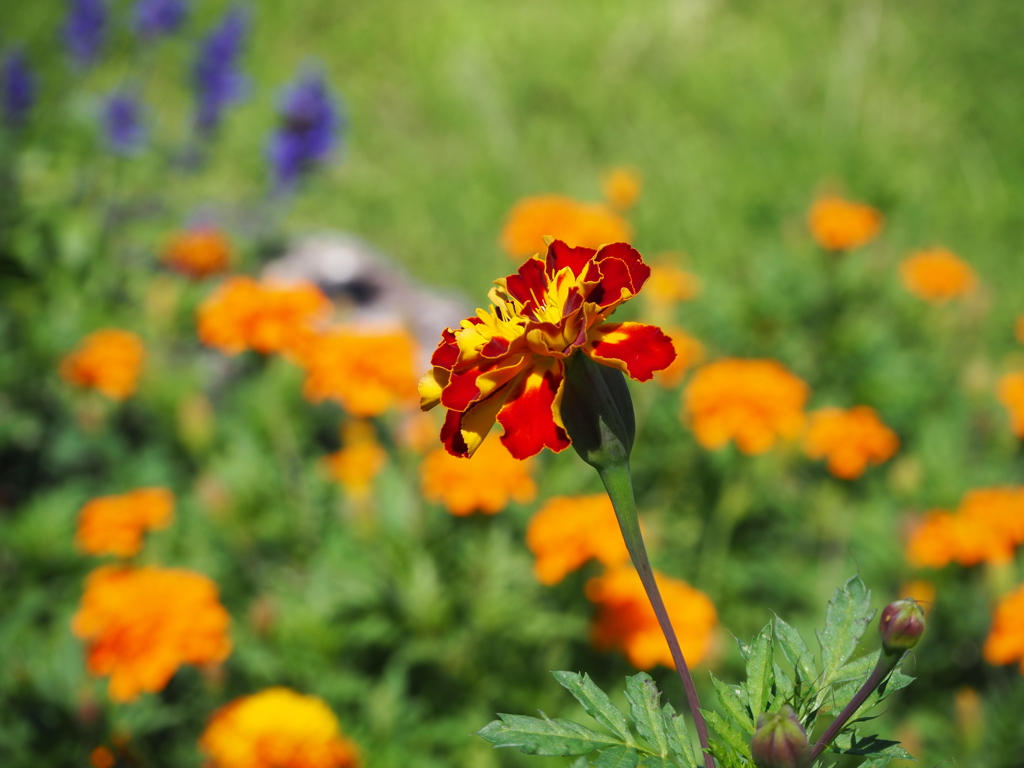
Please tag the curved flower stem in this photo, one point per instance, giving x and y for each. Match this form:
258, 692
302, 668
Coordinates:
619, 484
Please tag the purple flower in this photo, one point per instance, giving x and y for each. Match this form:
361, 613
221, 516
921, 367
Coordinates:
216, 77
310, 128
85, 29
159, 17
17, 88
122, 119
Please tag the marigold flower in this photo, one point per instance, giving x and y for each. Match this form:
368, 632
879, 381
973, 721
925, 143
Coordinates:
587, 225
486, 484
621, 188
141, 624
625, 619
987, 527
506, 364
839, 225
937, 275
1011, 394
850, 440
109, 360
689, 352
245, 314
113, 525
277, 728
754, 402
669, 284
198, 252
1005, 641
102, 757
366, 371
568, 531
359, 461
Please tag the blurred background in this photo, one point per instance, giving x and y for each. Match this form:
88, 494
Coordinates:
389, 153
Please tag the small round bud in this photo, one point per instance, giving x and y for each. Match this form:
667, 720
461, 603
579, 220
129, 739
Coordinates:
780, 741
901, 625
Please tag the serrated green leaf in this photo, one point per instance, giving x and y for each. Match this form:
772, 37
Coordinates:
653, 761
846, 619
760, 672
744, 648
537, 736
729, 733
731, 702
785, 691
645, 709
596, 703
617, 757
726, 757
795, 650
678, 737
858, 669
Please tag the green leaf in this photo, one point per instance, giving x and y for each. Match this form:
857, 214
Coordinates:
872, 745
536, 736
760, 672
846, 619
653, 761
726, 757
596, 703
795, 650
645, 709
731, 702
730, 735
858, 669
619, 756
678, 737
785, 691
580, 762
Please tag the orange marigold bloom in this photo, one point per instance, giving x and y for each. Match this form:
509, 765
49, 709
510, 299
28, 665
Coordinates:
669, 284
588, 225
113, 525
568, 531
102, 757
360, 460
245, 314
366, 371
486, 484
937, 275
1011, 394
839, 225
109, 360
987, 527
626, 621
689, 352
198, 252
850, 440
621, 188
1005, 642
754, 402
141, 624
507, 363
277, 728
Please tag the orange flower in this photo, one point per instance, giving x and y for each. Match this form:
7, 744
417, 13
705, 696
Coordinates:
986, 528
277, 728
1011, 394
365, 371
621, 188
102, 757
668, 284
245, 314
689, 352
625, 619
109, 360
754, 402
141, 624
937, 275
359, 461
198, 252
568, 531
113, 525
1005, 642
589, 225
850, 440
486, 484
838, 225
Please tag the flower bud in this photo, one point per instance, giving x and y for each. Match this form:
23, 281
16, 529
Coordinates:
901, 625
780, 741
597, 412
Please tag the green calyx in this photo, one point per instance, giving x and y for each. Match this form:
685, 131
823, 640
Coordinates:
597, 412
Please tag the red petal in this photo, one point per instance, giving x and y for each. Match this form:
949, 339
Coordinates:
476, 383
561, 255
621, 267
461, 390
529, 282
529, 416
447, 352
636, 349
463, 433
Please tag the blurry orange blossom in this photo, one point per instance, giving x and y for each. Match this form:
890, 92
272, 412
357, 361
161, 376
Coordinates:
1005, 642
245, 314
937, 275
689, 352
102, 757
277, 728
360, 459
1011, 394
577, 224
626, 621
621, 188
568, 531
754, 402
198, 252
485, 483
668, 284
113, 525
839, 225
987, 527
921, 590
850, 440
109, 360
141, 624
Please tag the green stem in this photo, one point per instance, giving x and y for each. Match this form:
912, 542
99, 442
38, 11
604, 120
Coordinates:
619, 484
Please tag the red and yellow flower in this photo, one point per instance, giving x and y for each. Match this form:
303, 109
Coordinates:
507, 364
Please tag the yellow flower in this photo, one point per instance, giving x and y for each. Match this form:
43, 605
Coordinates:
689, 352
113, 525
109, 360
850, 440
621, 188
839, 225
486, 484
198, 252
1011, 394
937, 275
589, 225
277, 728
359, 461
1005, 642
568, 531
